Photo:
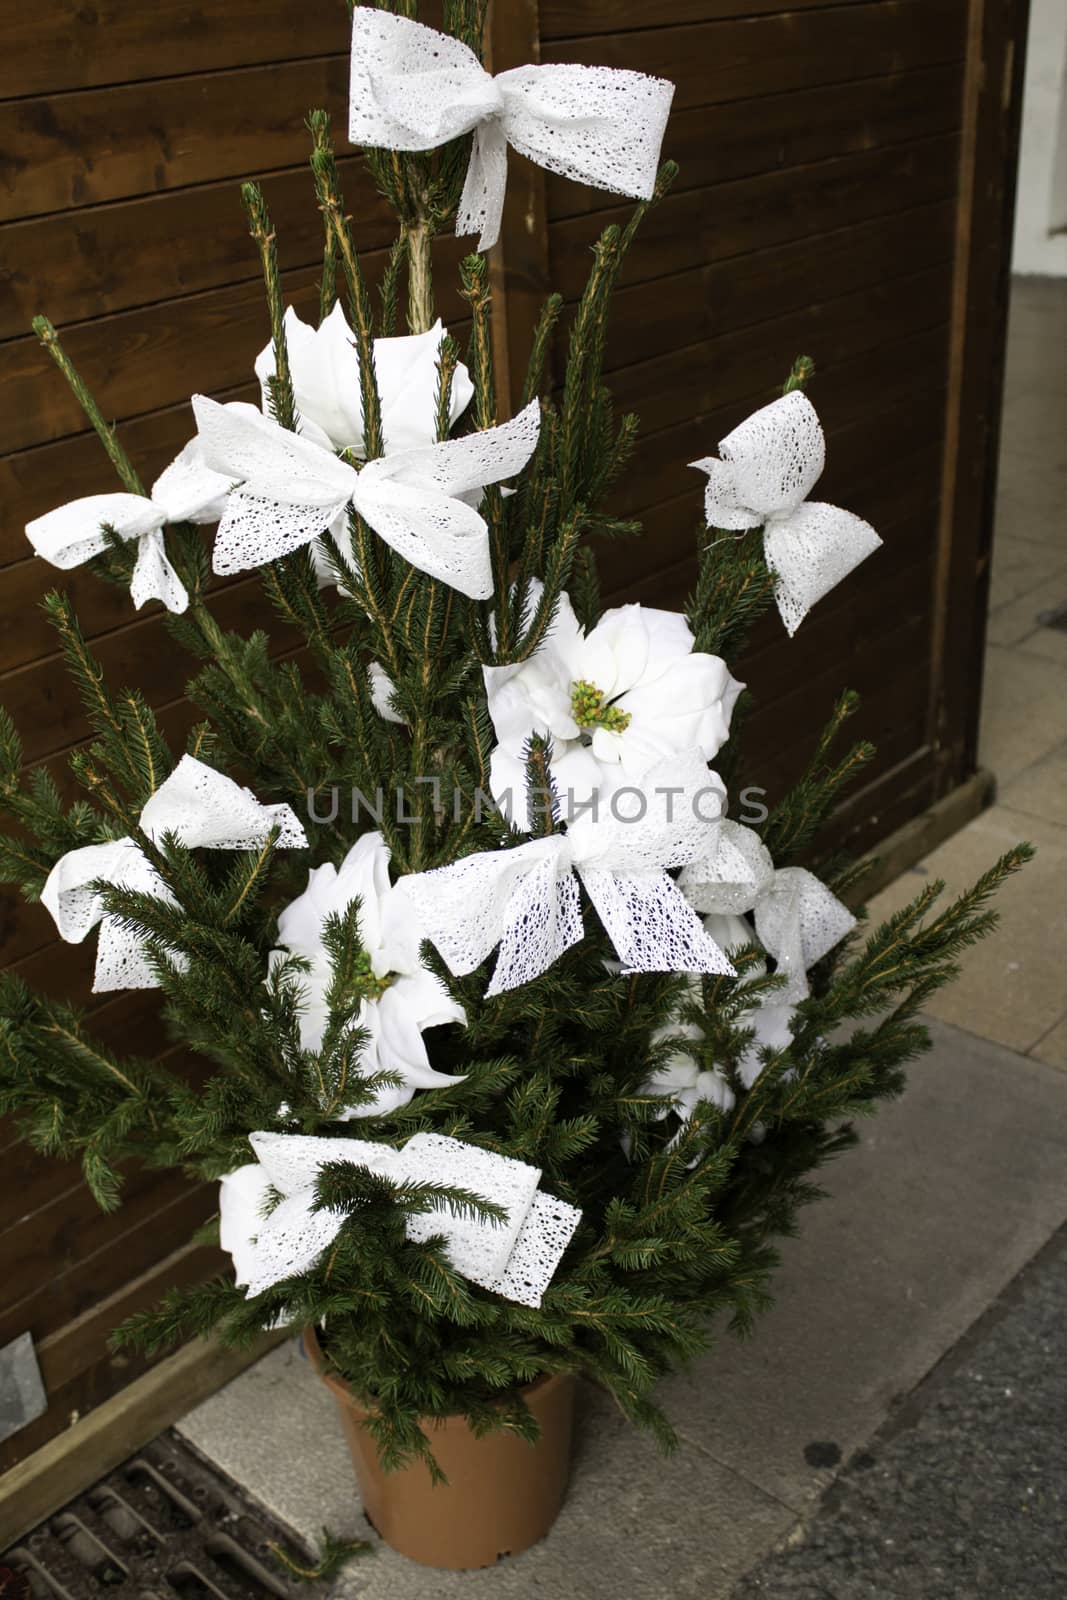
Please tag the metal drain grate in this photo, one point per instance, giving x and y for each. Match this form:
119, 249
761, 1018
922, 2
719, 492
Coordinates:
164, 1526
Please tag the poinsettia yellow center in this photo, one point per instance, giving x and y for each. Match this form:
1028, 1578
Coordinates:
587, 705
366, 985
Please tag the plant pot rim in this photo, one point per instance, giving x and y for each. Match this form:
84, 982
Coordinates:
340, 1386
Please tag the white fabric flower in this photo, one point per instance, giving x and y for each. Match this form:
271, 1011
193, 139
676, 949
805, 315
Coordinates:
381, 693
188, 491
292, 489
324, 366
683, 1080
765, 470
614, 701
405, 998
798, 920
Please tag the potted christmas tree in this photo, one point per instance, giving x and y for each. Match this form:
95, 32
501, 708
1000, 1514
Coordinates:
518, 1049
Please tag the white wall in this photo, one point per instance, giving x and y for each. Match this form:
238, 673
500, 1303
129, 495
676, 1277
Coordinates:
1041, 207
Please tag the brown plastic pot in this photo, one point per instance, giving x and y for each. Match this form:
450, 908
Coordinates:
502, 1494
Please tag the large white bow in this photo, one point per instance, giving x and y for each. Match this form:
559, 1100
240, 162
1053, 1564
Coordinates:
798, 920
293, 488
413, 88
768, 466
526, 899
188, 491
516, 1258
202, 808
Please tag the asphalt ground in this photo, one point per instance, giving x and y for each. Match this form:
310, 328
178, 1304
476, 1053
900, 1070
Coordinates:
962, 1494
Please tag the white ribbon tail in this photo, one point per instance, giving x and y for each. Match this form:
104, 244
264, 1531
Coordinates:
525, 900
481, 205
651, 924
810, 551
203, 808
442, 537
74, 533
154, 578
291, 489
597, 125
799, 921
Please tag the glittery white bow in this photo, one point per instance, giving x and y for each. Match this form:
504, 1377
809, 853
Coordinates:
798, 920
526, 899
292, 489
516, 1258
764, 471
188, 491
202, 808
413, 88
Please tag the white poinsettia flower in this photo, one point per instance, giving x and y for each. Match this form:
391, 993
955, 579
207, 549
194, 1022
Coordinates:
381, 693
772, 1020
614, 701
683, 1080
324, 365
398, 997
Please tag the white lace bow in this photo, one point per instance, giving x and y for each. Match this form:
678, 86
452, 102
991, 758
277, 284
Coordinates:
413, 88
200, 807
516, 1258
293, 489
188, 491
798, 920
762, 476
526, 899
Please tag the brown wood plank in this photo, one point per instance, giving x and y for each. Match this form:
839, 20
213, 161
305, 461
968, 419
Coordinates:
91, 1254
48, 713
86, 148
92, 1445
203, 342
562, 19
994, 90
735, 219
702, 376
647, 316
58, 45
745, 56
740, 138
652, 318
32, 481
84, 264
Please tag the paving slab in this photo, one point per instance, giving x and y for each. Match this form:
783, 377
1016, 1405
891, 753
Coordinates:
955, 1187
1024, 710
1053, 1047
1012, 987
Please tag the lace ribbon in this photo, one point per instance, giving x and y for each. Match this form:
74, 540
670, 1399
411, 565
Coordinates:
762, 476
293, 489
798, 920
526, 900
200, 807
413, 88
188, 491
516, 1258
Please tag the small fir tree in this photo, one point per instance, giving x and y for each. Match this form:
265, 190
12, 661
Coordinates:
682, 1111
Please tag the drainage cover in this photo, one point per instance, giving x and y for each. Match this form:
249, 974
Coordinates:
164, 1526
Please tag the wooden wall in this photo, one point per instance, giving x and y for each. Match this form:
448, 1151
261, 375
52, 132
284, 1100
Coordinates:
828, 156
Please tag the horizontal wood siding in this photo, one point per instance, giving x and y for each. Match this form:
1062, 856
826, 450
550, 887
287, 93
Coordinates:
815, 212
125, 132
